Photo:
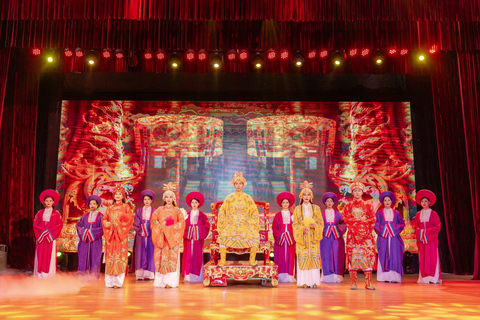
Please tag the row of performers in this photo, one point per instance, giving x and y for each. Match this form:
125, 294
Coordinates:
313, 236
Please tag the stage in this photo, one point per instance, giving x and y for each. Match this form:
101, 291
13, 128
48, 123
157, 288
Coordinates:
456, 298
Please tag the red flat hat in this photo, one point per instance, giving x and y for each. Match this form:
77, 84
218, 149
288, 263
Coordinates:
286, 195
49, 193
195, 195
424, 193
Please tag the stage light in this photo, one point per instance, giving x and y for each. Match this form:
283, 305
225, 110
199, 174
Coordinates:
243, 55
119, 55
50, 59
216, 61
91, 59
338, 59
298, 60
365, 52
257, 61
379, 58
79, 53
433, 49
160, 55
202, 55
284, 54
190, 55
148, 55
36, 51
106, 54
129, 253
421, 57
68, 53
231, 56
312, 54
403, 52
353, 52
59, 254
323, 54
271, 54
271, 254
392, 51
174, 61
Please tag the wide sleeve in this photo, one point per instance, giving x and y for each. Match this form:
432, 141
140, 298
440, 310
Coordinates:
276, 228
378, 223
416, 222
56, 224
319, 224
174, 232
81, 227
434, 227
37, 224
125, 222
222, 215
97, 231
297, 226
253, 214
107, 225
137, 222
370, 218
157, 235
204, 227
399, 223
341, 226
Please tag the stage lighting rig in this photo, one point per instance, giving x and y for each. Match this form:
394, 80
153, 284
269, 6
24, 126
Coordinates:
258, 62
379, 58
338, 59
216, 61
174, 62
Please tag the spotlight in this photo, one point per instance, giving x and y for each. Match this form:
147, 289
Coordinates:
190, 55
160, 55
79, 53
284, 54
91, 59
353, 52
68, 53
243, 55
421, 57
433, 49
174, 61
403, 52
298, 60
365, 52
36, 51
338, 59
379, 58
312, 54
271, 54
231, 55
216, 61
106, 54
323, 54
129, 253
258, 61
50, 59
119, 55
202, 55
59, 254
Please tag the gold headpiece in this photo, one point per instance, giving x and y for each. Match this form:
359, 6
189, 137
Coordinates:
357, 185
306, 187
238, 177
120, 188
169, 189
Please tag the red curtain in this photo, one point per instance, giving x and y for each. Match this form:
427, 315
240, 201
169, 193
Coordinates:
257, 24
17, 168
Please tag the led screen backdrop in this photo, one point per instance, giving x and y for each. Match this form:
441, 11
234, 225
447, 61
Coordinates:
200, 146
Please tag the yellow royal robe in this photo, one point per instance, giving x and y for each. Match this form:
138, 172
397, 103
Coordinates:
167, 239
308, 245
238, 222
117, 223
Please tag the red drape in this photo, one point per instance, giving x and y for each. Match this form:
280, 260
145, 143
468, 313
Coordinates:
17, 168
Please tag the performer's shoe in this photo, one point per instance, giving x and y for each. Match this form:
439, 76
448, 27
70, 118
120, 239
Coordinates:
253, 254
223, 257
314, 286
353, 279
115, 287
368, 280
167, 286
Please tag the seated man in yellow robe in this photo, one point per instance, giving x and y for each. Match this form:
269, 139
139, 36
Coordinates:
238, 222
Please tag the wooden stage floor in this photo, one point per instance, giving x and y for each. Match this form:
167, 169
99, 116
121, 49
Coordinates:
67, 297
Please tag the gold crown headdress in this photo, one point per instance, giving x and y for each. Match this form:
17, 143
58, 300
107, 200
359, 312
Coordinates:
306, 187
169, 189
357, 185
239, 177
